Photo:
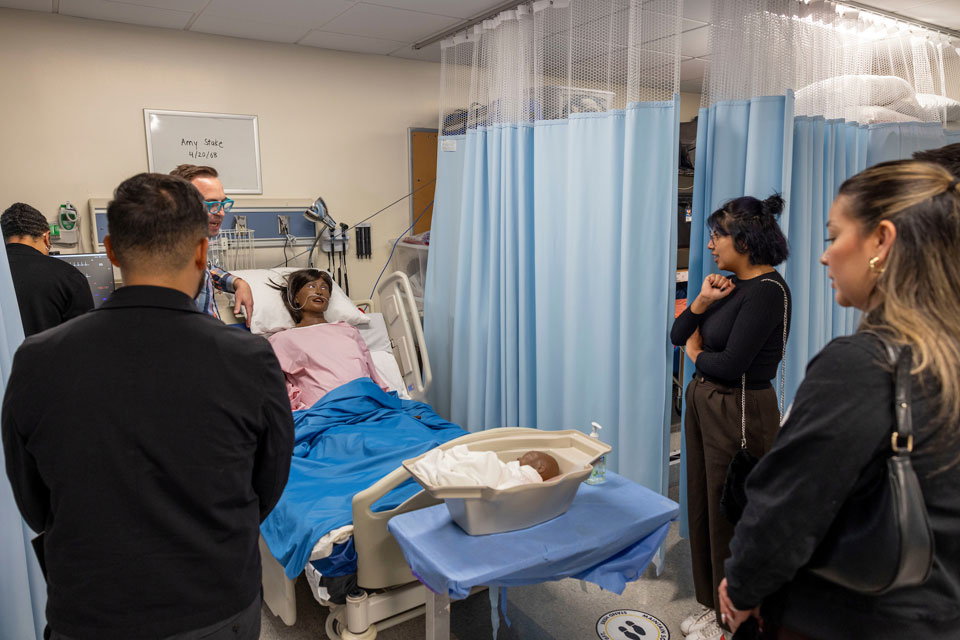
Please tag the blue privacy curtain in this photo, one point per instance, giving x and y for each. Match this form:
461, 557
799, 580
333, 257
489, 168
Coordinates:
550, 284
23, 594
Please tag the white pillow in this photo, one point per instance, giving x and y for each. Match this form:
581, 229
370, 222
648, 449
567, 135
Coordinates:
269, 313
389, 371
875, 115
856, 89
375, 333
931, 101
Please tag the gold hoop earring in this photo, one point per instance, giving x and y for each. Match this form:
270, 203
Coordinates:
875, 265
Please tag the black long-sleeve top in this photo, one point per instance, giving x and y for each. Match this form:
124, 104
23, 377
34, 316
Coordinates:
833, 445
742, 333
49, 291
148, 441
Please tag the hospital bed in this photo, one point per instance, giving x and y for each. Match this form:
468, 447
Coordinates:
388, 592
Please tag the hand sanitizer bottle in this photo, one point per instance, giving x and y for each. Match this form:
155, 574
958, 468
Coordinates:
599, 473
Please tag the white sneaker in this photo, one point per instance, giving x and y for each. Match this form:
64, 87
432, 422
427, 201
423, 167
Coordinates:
710, 631
696, 621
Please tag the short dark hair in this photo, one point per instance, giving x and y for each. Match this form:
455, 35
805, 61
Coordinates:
947, 157
155, 221
753, 225
295, 281
190, 171
23, 220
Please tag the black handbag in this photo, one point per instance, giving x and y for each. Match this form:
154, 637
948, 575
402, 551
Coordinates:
881, 540
733, 499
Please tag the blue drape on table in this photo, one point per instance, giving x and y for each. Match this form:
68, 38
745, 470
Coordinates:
757, 147
550, 282
23, 591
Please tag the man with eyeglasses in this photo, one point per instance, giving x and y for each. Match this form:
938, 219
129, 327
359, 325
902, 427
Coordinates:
207, 181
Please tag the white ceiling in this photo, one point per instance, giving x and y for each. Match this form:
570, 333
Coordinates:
390, 27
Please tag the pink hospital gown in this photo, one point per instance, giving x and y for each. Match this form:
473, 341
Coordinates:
320, 358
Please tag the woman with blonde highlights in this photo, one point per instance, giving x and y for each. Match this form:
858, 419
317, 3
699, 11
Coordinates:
894, 253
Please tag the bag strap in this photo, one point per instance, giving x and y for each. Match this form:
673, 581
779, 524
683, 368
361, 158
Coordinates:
783, 347
783, 372
901, 440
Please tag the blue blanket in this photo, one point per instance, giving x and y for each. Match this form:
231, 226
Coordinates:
350, 439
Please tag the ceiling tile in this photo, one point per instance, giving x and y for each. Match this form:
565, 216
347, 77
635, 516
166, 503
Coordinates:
308, 14
692, 69
691, 86
695, 43
427, 54
28, 5
690, 25
457, 9
251, 29
341, 42
945, 13
388, 23
177, 5
697, 9
129, 13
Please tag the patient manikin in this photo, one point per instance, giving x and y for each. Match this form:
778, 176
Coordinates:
459, 467
543, 463
316, 356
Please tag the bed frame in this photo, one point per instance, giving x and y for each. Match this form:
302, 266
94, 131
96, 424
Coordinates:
388, 593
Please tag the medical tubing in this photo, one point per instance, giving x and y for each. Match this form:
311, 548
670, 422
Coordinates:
310, 250
395, 247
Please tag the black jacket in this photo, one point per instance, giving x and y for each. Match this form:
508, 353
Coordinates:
834, 444
149, 441
49, 291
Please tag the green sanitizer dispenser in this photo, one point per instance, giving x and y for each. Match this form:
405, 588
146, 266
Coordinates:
599, 473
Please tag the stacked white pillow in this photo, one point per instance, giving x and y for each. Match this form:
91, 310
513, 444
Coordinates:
269, 313
940, 105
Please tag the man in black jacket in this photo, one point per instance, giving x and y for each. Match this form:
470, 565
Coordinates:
49, 291
148, 442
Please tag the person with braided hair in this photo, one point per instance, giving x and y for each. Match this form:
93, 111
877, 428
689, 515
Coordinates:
49, 291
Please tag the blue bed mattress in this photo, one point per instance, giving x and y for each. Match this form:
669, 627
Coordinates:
350, 439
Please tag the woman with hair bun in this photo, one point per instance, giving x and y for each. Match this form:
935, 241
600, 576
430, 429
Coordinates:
734, 332
894, 242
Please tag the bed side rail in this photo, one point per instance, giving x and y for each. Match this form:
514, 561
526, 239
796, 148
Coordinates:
406, 333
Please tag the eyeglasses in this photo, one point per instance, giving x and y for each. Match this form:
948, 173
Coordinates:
215, 206
716, 235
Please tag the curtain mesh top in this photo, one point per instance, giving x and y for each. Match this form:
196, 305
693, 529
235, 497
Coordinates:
552, 58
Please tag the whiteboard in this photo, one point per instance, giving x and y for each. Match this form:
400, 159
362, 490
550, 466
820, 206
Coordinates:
227, 142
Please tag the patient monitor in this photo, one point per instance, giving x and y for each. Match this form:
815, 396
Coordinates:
98, 271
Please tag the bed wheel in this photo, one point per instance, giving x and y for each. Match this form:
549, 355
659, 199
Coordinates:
336, 631
369, 634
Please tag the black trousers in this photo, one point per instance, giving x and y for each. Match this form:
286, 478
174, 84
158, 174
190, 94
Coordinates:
712, 436
242, 626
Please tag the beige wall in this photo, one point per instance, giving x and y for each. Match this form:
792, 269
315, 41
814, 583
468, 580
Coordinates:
331, 123
689, 106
